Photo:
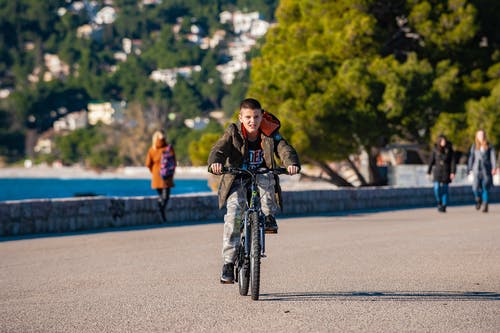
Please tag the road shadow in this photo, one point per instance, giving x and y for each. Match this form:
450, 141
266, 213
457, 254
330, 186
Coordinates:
380, 296
109, 230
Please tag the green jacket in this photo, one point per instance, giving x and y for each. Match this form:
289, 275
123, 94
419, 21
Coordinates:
232, 150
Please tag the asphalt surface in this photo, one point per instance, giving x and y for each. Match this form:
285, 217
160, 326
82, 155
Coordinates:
402, 271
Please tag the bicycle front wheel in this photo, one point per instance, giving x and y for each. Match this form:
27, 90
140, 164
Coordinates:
243, 269
254, 256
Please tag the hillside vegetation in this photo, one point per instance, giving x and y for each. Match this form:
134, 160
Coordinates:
111, 58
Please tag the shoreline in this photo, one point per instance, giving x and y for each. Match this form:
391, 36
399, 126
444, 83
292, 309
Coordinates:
77, 172
292, 183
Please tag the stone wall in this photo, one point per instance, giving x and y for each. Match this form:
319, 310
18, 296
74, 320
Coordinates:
76, 214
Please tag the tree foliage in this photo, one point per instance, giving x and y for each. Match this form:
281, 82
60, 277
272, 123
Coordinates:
199, 150
350, 75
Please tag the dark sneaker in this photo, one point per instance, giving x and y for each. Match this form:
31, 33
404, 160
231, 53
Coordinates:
270, 225
440, 207
227, 275
478, 203
485, 209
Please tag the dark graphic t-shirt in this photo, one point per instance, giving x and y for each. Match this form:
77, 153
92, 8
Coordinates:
255, 154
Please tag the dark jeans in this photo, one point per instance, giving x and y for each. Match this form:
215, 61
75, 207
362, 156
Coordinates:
164, 195
483, 192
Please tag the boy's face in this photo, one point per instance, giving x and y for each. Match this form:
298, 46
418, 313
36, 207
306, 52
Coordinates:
251, 119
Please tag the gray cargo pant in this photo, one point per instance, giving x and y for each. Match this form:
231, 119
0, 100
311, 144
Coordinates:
236, 204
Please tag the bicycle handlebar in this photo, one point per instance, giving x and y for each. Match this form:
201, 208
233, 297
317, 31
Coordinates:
251, 172
258, 171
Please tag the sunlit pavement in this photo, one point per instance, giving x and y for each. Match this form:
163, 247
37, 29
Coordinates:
412, 270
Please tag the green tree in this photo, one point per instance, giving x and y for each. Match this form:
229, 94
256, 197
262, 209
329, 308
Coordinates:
299, 77
199, 150
208, 81
183, 138
476, 94
186, 99
350, 75
45, 103
90, 147
11, 141
104, 158
484, 113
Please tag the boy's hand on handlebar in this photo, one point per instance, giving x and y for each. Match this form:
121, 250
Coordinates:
216, 168
293, 169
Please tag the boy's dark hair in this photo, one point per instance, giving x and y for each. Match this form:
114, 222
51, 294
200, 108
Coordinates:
250, 103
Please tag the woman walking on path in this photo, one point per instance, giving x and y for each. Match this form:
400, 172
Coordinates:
153, 163
482, 163
443, 162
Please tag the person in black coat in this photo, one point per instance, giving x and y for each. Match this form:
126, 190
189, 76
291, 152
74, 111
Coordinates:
443, 163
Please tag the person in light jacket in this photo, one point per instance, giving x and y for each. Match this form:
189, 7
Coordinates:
482, 164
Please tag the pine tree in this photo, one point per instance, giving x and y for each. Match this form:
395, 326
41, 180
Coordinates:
350, 75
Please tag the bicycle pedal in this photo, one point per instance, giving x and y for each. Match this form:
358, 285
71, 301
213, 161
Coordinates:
263, 255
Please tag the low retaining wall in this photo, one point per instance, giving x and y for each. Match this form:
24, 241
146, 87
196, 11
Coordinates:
76, 214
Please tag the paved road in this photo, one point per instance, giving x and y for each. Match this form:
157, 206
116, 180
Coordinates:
403, 271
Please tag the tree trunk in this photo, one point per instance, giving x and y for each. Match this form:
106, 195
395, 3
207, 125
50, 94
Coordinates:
356, 171
376, 178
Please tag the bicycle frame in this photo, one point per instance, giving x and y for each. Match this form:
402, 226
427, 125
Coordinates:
253, 203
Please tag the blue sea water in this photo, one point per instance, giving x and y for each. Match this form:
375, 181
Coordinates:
48, 188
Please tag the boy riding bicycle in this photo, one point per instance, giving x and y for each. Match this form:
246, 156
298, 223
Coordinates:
249, 143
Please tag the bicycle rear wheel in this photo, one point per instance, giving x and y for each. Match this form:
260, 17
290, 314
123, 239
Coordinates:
254, 256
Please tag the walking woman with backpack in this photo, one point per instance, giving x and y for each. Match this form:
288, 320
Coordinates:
161, 162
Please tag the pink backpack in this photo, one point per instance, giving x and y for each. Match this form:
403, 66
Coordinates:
167, 162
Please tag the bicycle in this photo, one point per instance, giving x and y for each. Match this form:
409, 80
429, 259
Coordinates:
252, 233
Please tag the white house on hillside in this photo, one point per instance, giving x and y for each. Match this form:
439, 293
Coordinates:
228, 70
151, 2
56, 66
89, 31
242, 22
169, 76
71, 121
105, 112
245, 23
107, 15
259, 28
5, 92
225, 17
44, 143
197, 123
